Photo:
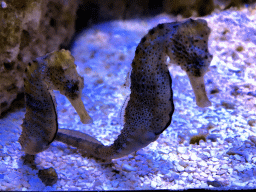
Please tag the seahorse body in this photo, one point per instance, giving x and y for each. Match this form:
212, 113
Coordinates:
150, 107
55, 71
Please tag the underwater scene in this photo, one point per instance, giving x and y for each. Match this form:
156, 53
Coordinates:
169, 103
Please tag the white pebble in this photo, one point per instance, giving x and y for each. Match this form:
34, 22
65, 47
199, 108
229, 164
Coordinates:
190, 178
165, 157
193, 157
182, 150
179, 168
202, 143
203, 174
153, 184
115, 183
191, 169
212, 152
181, 182
207, 154
127, 167
184, 174
3, 168
210, 167
239, 168
204, 185
215, 159
237, 157
210, 178
230, 170
202, 164
185, 156
224, 166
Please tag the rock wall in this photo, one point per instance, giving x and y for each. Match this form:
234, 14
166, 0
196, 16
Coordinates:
28, 29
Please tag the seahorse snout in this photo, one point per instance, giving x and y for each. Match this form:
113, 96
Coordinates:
80, 109
198, 86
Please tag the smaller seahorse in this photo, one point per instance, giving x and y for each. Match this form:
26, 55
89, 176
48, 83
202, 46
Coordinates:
54, 71
150, 105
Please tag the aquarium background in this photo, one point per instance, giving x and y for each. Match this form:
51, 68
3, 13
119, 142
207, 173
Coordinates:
202, 148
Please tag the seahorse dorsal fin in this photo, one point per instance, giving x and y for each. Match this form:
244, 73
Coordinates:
122, 111
127, 82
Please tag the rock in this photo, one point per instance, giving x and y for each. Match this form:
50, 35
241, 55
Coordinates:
252, 93
253, 139
186, 8
234, 151
215, 183
196, 138
252, 122
183, 163
179, 168
3, 168
181, 150
30, 29
29, 160
214, 91
228, 105
48, 176
212, 137
129, 168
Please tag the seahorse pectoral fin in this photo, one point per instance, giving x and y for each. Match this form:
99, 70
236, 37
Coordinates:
198, 86
80, 109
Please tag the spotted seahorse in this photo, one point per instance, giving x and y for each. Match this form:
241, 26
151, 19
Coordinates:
54, 71
150, 107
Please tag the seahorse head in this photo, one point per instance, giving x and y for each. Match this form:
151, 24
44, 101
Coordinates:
59, 72
189, 49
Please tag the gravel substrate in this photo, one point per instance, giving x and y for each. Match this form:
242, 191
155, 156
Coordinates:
224, 157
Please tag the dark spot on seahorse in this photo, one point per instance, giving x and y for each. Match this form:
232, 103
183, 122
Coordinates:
151, 31
160, 26
137, 50
143, 40
9, 65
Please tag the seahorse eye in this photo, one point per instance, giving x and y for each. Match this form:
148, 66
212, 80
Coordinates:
72, 89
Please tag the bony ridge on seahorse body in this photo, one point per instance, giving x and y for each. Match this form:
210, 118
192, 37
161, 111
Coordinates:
150, 107
55, 71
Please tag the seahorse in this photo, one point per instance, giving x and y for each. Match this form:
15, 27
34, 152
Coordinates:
54, 71
150, 106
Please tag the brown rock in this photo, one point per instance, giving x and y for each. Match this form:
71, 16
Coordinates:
28, 29
48, 176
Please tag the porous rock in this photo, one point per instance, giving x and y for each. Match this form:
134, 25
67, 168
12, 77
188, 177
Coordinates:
28, 29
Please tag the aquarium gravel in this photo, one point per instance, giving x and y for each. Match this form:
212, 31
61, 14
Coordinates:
202, 148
